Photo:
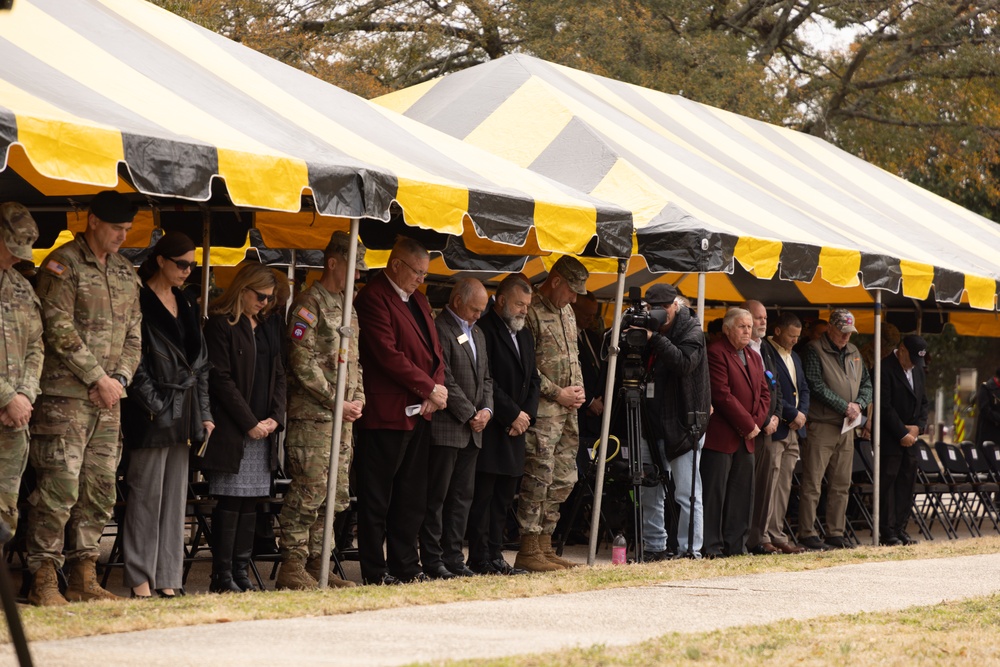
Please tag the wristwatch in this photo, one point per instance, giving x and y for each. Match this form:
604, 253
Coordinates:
121, 379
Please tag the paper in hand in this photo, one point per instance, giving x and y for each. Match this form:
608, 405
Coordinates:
850, 423
413, 410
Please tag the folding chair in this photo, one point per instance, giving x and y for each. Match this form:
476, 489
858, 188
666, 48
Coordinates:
986, 488
861, 493
867, 453
955, 473
932, 488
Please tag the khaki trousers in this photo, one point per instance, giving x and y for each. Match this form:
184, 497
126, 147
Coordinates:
825, 451
774, 462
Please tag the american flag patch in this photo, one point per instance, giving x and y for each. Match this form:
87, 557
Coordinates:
55, 267
307, 315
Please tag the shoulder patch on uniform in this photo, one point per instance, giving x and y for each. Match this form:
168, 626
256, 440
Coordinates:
306, 315
55, 267
299, 330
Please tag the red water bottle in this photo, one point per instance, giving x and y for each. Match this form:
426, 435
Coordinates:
619, 548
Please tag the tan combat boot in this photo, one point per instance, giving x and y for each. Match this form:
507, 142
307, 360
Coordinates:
545, 546
83, 586
45, 587
530, 557
314, 568
292, 576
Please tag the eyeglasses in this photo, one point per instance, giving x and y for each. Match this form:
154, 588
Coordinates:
261, 297
183, 264
420, 274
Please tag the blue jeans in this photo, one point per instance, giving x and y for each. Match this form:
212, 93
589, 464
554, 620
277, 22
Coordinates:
654, 532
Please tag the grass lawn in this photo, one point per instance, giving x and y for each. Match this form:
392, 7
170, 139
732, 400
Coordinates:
77, 620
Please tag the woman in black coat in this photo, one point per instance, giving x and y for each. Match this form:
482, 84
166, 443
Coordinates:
247, 387
166, 412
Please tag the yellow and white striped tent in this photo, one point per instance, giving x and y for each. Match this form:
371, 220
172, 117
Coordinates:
712, 191
99, 94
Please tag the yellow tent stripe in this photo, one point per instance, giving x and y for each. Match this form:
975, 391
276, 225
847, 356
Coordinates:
840, 266
981, 291
503, 132
444, 204
632, 189
917, 278
757, 256
402, 100
72, 152
563, 228
245, 173
976, 324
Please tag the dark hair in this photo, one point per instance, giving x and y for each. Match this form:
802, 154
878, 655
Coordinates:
787, 319
170, 245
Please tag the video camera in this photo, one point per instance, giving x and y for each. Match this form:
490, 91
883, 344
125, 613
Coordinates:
631, 341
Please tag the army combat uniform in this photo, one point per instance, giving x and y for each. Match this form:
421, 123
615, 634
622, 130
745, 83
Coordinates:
92, 329
551, 444
313, 356
21, 364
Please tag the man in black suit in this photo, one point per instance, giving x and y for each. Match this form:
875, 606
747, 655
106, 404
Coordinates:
902, 419
510, 348
456, 431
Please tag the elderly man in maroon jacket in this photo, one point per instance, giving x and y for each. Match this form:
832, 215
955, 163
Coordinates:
404, 383
741, 403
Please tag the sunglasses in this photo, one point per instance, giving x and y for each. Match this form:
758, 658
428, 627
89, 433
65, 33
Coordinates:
183, 264
263, 298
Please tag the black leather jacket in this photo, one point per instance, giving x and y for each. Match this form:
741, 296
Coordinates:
168, 399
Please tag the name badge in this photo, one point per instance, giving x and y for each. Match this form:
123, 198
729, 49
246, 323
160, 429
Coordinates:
463, 339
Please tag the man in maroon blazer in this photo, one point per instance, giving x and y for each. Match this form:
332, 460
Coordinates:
404, 383
741, 402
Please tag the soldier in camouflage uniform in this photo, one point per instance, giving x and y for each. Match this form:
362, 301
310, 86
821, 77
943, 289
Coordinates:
20, 354
552, 442
314, 319
90, 308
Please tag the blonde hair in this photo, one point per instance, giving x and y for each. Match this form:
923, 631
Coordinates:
252, 276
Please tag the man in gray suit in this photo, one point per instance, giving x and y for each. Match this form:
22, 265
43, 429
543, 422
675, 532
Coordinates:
456, 432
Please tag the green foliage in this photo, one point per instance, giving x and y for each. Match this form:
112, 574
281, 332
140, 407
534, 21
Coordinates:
913, 88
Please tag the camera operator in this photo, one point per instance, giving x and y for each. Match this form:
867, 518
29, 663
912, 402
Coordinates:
678, 402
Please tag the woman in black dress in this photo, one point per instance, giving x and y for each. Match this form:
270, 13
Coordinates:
166, 412
247, 387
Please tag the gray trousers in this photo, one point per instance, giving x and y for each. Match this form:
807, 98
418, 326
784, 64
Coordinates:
154, 516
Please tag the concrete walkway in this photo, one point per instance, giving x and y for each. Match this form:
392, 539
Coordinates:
508, 627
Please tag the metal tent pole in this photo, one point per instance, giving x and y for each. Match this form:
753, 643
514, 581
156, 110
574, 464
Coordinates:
609, 389
877, 403
346, 334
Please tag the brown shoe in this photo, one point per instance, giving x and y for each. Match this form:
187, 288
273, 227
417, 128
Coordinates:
83, 586
292, 576
765, 549
545, 546
530, 557
314, 569
789, 548
45, 587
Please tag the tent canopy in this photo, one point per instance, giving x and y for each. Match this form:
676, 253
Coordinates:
709, 188
121, 94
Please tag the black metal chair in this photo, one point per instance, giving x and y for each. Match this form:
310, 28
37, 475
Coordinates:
955, 473
929, 491
986, 487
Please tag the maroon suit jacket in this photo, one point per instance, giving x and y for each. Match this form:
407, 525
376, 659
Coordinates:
399, 367
740, 396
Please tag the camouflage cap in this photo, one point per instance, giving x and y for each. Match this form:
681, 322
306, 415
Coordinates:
113, 207
18, 229
843, 321
340, 244
574, 272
